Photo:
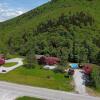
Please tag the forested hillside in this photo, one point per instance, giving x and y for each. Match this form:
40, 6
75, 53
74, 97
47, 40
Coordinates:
69, 29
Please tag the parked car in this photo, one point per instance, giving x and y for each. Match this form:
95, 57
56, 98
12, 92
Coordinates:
3, 70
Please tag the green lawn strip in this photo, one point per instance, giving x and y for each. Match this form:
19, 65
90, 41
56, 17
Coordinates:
9, 64
38, 77
93, 92
94, 88
96, 77
28, 98
10, 56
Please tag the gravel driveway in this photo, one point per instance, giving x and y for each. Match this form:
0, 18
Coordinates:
78, 79
7, 69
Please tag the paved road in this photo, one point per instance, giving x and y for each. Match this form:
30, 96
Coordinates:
78, 79
7, 69
9, 91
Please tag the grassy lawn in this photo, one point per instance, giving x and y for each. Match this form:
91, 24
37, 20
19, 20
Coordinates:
93, 92
94, 89
10, 56
9, 64
28, 98
38, 77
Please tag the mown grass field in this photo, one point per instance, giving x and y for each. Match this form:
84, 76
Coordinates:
38, 77
27, 98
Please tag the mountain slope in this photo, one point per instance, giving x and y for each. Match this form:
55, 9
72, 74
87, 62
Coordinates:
51, 10
68, 29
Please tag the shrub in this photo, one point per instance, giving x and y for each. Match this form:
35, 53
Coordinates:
96, 77
59, 70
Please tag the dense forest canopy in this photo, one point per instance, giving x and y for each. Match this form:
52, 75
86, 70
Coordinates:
69, 29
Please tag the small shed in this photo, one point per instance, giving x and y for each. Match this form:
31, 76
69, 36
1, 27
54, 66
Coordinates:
2, 61
74, 66
87, 69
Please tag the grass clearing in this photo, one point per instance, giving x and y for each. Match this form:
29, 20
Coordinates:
28, 98
94, 88
92, 92
9, 64
11, 56
38, 77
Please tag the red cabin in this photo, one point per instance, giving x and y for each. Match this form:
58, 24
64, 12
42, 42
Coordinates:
2, 61
49, 60
87, 69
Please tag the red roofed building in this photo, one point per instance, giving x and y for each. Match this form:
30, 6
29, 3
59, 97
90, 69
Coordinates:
87, 69
49, 60
2, 61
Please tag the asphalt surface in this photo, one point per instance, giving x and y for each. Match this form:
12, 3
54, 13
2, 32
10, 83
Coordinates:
9, 91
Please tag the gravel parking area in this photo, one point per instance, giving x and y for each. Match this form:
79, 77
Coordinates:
7, 69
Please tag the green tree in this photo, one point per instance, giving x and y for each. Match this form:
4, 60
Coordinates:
98, 58
96, 77
30, 59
